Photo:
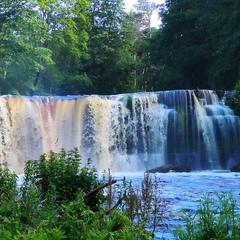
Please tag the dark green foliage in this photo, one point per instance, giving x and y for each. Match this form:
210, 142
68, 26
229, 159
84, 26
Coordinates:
234, 101
215, 219
69, 49
183, 47
79, 222
62, 174
73, 220
8, 185
21, 37
42, 44
9, 211
51, 203
196, 45
95, 47
110, 66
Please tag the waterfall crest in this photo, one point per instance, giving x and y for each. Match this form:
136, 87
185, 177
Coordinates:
125, 132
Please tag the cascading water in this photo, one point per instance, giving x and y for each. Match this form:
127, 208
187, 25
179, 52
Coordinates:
125, 132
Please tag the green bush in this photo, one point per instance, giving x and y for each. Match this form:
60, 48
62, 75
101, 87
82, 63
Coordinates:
215, 219
8, 185
80, 222
9, 209
53, 203
62, 176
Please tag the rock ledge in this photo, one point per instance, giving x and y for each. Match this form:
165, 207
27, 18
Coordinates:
170, 167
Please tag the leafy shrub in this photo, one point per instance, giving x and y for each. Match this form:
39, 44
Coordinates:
56, 201
80, 222
215, 219
9, 209
62, 176
8, 185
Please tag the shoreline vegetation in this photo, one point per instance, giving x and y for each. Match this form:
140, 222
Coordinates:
58, 198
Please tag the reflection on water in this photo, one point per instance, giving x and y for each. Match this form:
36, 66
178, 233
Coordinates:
183, 191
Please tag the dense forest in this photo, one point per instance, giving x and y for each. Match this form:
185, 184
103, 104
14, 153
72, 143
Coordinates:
61, 47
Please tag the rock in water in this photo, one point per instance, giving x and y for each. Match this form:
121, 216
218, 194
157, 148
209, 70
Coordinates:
235, 168
170, 167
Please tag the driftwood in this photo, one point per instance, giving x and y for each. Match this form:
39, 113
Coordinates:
93, 191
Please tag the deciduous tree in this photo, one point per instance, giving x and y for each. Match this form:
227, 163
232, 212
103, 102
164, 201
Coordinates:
21, 35
196, 44
110, 66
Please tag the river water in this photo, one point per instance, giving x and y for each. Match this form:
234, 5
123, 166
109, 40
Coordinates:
183, 191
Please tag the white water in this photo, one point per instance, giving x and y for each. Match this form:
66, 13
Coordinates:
125, 132
183, 191
129, 133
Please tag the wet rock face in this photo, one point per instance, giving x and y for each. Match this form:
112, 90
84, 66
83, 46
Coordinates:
163, 169
170, 167
235, 168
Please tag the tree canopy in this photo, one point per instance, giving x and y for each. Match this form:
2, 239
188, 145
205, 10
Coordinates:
50, 47
197, 45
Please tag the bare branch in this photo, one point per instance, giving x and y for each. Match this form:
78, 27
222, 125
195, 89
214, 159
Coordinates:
99, 188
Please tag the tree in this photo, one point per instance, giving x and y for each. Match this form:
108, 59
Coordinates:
196, 44
181, 46
110, 66
68, 23
142, 12
224, 18
20, 50
42, 44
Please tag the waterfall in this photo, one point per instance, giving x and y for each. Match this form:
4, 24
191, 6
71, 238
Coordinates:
124, 132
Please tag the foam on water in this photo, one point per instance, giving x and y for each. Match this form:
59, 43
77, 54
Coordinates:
183, 192
125, 132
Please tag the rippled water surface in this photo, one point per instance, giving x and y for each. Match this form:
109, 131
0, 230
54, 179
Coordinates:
183, 191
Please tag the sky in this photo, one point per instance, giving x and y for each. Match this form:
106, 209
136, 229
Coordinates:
155, 20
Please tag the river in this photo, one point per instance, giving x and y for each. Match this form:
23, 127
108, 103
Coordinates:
184, 191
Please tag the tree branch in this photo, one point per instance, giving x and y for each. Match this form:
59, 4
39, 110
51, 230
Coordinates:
98, 188
115, 206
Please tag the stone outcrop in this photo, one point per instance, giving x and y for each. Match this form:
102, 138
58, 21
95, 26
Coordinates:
170, 167
235, 168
